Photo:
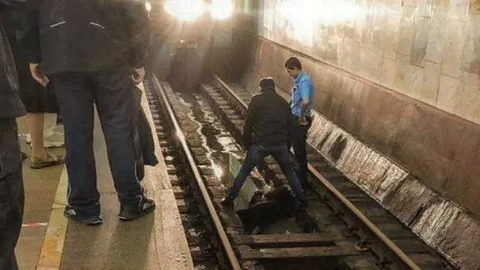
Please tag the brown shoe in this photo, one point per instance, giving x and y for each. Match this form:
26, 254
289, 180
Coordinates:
51, 160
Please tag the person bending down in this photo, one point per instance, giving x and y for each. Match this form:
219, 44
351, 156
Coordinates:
266, 132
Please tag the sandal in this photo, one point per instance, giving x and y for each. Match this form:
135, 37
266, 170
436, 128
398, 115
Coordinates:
51, 160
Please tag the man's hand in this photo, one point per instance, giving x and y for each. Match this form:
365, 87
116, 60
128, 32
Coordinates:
37, 74
302, 121
138, 75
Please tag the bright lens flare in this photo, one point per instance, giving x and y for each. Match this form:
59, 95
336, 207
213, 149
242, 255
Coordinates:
221, 9
185, 10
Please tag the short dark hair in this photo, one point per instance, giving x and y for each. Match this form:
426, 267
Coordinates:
267, 82
293, 63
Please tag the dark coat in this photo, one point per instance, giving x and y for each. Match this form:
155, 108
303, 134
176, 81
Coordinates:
10, 104
36, 98
143, 138
268, 121
90, 36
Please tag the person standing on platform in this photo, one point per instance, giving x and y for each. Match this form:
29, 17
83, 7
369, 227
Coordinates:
11, 179
93, 52
266, 132
37, 99
301, 106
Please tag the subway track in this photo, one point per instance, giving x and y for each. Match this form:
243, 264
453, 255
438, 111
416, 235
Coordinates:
342, 228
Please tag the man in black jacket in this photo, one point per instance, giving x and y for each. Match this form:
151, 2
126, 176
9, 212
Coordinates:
266, 132
93, 52
11, 179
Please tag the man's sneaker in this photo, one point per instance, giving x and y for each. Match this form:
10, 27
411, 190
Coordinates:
227, 203
133, 211
70, 213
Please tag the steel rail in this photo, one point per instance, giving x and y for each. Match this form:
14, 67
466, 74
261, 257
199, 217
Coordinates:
227, 246
404, 258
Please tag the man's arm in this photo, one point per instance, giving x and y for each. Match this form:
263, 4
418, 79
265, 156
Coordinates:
306, 89
138, 30
27, 32
249, 121
29, 35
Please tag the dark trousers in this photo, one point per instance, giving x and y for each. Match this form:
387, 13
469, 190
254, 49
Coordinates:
11, 193
255, 154
299, 143
112, 94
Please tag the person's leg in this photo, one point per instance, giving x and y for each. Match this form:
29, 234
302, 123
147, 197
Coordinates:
39, 157
115, 102
299, 148
11, 193
283, 159
35, 128
49, 123
75, 96
254, 155
51, 137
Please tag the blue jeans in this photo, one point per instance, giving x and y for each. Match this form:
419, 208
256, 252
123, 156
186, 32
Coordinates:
255, 154
113, 95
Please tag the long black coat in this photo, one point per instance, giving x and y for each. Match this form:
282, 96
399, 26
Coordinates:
35, 97
10, 104
145, 146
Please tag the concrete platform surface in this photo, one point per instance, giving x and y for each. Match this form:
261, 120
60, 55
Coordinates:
156, 241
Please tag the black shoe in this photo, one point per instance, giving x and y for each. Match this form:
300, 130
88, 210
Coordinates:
70, 213
227, 203
133, 211
24, 156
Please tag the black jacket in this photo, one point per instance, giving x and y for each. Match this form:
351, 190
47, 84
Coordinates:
268, 121
90, 36
10, 104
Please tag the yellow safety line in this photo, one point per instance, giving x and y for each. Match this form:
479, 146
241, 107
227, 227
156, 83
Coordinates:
52, 248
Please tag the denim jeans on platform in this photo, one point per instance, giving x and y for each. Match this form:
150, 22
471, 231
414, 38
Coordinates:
254, 155
113, 96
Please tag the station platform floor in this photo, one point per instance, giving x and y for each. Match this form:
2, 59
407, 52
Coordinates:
50, 241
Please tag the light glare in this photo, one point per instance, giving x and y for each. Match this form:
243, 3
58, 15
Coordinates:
300, 19
185, 10
221, 9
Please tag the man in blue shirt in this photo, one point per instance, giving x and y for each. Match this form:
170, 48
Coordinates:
301, 106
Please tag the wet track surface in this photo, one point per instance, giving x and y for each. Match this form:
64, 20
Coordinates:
317, 238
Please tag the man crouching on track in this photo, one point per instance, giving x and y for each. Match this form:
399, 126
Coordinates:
93, 53
266, 132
